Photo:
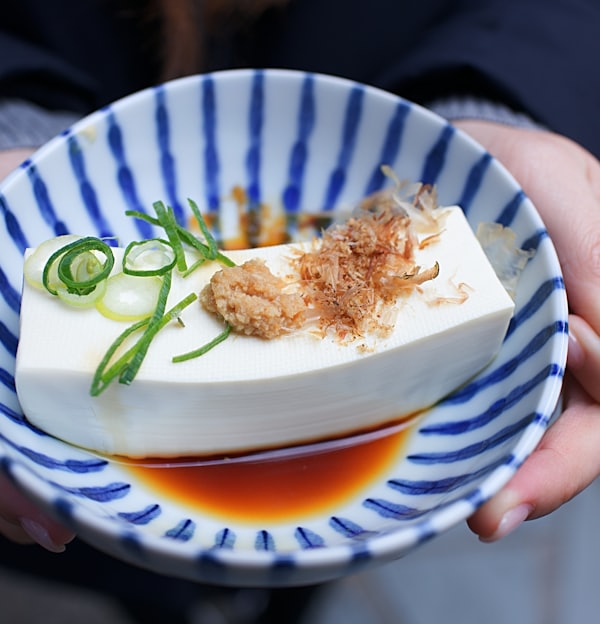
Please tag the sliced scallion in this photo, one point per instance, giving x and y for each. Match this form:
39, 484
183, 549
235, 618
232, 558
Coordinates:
193, 267
167, 220
151, 330
129, 297
88, 273
185, 236
106, 372
190, 355
35, 262
210, 239
149, 257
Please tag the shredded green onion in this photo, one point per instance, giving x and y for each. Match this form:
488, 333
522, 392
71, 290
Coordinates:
190, 355
185, 236
130, 372
104, 375
210, 239
124, 368
167, 220
193, 267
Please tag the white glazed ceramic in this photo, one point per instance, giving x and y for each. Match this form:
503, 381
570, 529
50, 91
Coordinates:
298, 143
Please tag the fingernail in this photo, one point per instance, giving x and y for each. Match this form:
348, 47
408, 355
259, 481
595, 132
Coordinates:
40, 534
576, 354
510, 521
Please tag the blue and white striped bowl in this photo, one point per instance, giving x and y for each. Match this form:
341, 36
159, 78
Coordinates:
300, 143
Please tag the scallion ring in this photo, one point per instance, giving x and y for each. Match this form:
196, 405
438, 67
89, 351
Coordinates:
129, 297
149, 257
88, 272
33, 268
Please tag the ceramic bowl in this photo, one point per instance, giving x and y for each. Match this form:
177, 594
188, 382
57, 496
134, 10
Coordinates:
297, 143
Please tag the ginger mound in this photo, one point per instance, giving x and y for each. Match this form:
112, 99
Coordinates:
251, 299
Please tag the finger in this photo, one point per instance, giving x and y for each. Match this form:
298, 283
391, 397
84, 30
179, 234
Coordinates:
23, 522
14, 532
564, 464
584, 356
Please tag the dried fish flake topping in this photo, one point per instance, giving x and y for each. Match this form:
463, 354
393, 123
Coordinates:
360, 268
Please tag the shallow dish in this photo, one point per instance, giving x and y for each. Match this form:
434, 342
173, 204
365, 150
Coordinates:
285, 143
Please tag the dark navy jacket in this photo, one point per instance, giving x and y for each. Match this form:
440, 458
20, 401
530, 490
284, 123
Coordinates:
537, 56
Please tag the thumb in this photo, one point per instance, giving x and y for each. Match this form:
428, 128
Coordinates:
564, 464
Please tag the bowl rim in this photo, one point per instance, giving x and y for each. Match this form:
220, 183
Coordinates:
381, 546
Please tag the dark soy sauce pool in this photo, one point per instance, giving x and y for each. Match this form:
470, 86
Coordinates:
277, 486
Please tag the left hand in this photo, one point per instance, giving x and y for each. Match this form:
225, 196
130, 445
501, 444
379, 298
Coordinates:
563, 181
20, 520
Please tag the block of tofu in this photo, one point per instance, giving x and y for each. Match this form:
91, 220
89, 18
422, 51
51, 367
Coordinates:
249, 393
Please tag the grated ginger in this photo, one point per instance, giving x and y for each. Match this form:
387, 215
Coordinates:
251, 299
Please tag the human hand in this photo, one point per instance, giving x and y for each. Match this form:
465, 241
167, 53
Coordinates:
23, 522
563, 181
20, 520
12, 158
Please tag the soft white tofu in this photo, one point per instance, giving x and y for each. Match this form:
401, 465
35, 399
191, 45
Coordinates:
249, 393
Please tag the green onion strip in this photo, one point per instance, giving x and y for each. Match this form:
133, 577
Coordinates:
210, 239
154, 325
185, 237
167, 221
124, 367
190, 355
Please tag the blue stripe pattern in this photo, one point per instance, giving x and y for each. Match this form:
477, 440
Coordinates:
13, 227
485, 429
125, 178
167, 160
255, 126
292, 194
142, 517
183, 532
473, 182
390, 147
436, 157
212, 165
88, 193
44, 203
350, 128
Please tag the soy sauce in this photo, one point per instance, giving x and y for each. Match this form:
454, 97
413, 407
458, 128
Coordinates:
277, 488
